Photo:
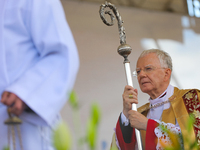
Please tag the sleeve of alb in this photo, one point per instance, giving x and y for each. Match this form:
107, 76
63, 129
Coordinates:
45, 86
125, 135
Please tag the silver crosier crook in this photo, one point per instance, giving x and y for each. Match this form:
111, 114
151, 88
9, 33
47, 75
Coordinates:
123, 50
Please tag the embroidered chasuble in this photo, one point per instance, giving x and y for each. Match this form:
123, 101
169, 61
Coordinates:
183, 102
167, 116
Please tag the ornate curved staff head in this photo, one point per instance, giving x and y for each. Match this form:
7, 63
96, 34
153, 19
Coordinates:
124, 49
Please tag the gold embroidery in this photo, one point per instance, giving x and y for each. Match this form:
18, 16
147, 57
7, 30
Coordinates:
196, 114
192, 104
189, 95
198, 134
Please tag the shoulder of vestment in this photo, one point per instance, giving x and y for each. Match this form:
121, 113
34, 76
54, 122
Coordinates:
180, 93
144, 109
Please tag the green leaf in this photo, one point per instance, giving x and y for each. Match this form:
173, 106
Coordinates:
73, 100
95, 113
91, 134
113, 148
6, 148
62, 137
191, 121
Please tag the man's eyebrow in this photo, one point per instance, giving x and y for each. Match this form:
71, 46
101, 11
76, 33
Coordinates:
148, 65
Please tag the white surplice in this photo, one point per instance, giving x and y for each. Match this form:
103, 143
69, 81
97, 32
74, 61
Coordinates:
39, 63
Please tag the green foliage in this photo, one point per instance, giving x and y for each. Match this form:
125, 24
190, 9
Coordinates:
113, 148
73, 100
62, 137
91, 134
92, 126
191, 121
95, 113
175, 138
6, 148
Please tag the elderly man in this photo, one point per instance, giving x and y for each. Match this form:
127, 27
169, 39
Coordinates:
168, 106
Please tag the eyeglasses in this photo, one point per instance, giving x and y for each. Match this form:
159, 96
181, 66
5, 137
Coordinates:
147, 69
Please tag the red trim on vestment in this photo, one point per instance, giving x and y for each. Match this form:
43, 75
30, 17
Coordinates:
122, 144
151, 139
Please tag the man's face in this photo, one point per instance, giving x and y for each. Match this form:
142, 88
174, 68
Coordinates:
150, 74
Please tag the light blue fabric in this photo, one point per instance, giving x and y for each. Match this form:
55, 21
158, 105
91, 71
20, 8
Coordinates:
38, 62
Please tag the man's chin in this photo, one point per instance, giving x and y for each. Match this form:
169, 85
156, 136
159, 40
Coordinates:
145, 89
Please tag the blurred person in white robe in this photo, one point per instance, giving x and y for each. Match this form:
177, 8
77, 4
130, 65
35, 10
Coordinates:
38, 67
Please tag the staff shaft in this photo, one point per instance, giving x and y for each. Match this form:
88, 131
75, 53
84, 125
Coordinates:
130, 82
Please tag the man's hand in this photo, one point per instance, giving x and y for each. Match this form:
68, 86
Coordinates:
15, 104
127, 102
137, 120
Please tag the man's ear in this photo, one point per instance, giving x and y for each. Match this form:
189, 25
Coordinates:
167, 74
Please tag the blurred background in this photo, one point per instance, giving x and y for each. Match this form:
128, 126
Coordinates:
171, 25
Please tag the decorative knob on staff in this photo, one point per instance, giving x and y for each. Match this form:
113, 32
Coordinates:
124, 50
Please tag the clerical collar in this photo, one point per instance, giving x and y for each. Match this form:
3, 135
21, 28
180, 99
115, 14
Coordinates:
162, 95
159, 99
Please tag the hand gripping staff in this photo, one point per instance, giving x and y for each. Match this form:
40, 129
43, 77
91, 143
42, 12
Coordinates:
124, 50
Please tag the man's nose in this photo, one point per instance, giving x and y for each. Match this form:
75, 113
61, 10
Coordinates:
142, 73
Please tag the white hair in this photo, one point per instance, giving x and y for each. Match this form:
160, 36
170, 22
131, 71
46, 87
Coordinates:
164, 57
